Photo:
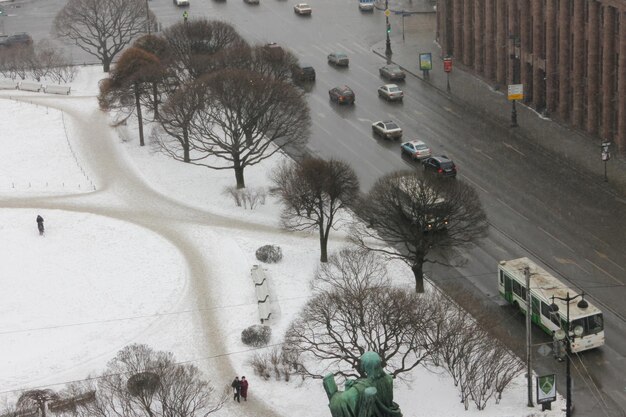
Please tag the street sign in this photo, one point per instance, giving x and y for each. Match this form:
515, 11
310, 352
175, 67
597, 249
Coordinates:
426, 61
387, 12
516, 92
546, 388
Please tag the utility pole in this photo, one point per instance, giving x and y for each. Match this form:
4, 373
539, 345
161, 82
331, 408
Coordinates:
529, 375
388, 29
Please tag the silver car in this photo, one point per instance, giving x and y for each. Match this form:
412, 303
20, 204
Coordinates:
390, 92
338, 58
387, 129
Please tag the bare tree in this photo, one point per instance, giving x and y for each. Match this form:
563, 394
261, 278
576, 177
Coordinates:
38, 399
16, 61
399, 209
175, 119
163, 85
132, 76
179, 389
49, 61
246, 119
194, 44
363, 313
102, 28
313, 193
274, 62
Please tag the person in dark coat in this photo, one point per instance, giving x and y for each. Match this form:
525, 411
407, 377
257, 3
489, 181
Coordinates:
40, 225
244, 388
237, 389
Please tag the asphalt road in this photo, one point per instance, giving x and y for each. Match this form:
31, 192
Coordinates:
536, 206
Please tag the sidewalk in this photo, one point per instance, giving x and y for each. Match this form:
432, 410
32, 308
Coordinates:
580, 151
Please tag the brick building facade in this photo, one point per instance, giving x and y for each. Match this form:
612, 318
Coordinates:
569, 54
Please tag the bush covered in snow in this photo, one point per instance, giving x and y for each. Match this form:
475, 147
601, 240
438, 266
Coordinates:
256, 335
270, 254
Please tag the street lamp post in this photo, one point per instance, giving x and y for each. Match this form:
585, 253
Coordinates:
387, 29
565, 335
148, 16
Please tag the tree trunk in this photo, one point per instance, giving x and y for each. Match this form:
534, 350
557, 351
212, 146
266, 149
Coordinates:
155, 100
139, 118
186, 157
106, 63
419, 277
323, 246
238, 171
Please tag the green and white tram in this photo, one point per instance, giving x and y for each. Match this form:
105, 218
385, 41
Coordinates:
512, 286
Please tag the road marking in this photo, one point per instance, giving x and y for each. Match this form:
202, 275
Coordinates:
319, 49
482, 153
555, 238
605, 272
606, 258
449, 110
513, 210
475, 184
567, 261
361, 119
362, 48
344, 49
513, 148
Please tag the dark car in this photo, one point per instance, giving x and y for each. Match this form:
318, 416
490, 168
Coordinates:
392, 72
17, 39
439, 165
342, 94
303, 72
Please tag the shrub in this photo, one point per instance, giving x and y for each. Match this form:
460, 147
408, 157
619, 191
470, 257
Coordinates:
277, 361
270, 254
247, 197
256, 335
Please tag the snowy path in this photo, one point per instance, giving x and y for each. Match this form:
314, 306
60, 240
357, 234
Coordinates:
136, 202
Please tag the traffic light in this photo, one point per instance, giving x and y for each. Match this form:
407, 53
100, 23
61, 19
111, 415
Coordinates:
388, 28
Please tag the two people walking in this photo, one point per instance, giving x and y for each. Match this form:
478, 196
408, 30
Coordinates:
240, 389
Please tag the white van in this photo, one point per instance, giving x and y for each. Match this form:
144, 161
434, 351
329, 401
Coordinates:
366, 5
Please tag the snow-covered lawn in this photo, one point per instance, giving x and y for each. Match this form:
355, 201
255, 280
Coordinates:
98, 282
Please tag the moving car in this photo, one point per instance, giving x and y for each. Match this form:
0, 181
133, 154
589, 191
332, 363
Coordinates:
440, 166
392, 73
302, 9
181, 2
251, 1
303, 72
387, 129
390, 92
366, 5
339, 59
17, 39
342, 94
416, 149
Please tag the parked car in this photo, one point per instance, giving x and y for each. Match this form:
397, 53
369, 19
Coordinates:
339, 59
303, 72
392, 73
387, 129
302, 9
366, 5
390, 92
17, 39
274, 50
416, 149
342, 94
439, 165
251, 1
181, 2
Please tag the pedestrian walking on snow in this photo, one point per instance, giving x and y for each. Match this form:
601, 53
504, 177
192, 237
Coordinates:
40, 225
244, 388
237, 389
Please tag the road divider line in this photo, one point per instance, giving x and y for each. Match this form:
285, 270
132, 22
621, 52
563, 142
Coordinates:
605, 272
476, 184
344, 48
606, 258
513, 210
513, 148
555, 238
482, 153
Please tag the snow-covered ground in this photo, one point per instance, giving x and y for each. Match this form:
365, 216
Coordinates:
155, 254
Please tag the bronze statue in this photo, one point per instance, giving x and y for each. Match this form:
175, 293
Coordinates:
364, 397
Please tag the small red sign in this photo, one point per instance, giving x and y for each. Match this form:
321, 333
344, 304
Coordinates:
447, 64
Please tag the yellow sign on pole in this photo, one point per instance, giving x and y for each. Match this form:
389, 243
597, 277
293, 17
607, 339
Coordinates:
387, 12
516, 92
